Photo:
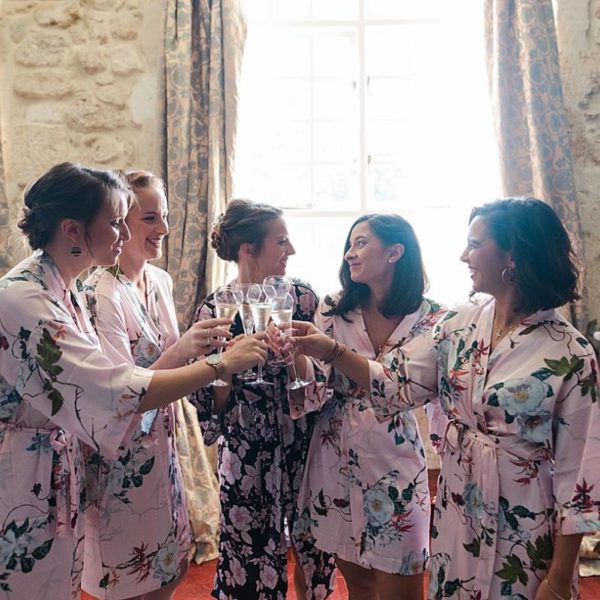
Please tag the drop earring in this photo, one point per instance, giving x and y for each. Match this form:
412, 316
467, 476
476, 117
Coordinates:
75, 250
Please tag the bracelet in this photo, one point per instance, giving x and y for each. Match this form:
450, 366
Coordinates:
554, 592
336, 352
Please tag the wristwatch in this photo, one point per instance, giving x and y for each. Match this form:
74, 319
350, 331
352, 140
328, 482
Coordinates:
216, 362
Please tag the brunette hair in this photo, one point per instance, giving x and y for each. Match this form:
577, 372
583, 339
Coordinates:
141, 180
409, 282
242, 222
66, 191
546, 272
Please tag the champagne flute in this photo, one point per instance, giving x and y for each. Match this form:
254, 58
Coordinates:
227, 301
260, 298
245, 312
281, 284
283, 309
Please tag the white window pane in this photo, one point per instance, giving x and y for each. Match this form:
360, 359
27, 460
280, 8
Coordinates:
291, 186
409, 9
292, 142
387, 186
289, 54
334, 54
334, 141
291, 98
336, 187
318, 241
388, 50
389, 97
334, 98
335, 9
389, 140
289, 9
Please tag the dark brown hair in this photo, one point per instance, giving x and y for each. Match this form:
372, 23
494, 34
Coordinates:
66, 191
409, 282
546, 270
242, 222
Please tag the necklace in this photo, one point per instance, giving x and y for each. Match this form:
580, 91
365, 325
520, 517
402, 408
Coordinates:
500, 332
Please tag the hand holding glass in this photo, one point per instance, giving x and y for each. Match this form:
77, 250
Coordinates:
260, 299
227, 300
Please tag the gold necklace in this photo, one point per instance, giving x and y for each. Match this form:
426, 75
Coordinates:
500, 332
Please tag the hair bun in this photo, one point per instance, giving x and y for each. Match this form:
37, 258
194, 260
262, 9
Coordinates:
216, 234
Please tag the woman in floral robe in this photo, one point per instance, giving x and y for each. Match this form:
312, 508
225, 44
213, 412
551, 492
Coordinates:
137, 527
517, 416
261, 449
365, 494
57, 389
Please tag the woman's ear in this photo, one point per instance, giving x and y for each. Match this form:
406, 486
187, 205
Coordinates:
247, 250
72, 230
395, 253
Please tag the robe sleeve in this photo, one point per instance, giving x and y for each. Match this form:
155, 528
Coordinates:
403, 379
68, 379
577, 453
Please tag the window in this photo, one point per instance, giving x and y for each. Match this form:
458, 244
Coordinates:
354, 106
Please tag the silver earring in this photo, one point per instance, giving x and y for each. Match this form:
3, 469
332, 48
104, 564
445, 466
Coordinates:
390, 261
75, 251
508, 276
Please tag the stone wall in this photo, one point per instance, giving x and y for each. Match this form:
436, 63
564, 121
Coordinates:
81, 81
578, 23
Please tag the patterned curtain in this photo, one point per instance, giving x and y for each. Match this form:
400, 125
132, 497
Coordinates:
5, 225
204, 41
204, 46
531, 121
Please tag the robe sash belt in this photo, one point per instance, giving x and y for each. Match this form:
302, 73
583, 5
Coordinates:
64, 469
482, 493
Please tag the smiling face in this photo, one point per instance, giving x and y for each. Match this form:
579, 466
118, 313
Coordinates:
108, 232
485, 260
369, 259
275, 250
147, 222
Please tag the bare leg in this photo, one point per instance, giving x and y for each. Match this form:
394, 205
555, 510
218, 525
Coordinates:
392, 587
360, 581
299, 580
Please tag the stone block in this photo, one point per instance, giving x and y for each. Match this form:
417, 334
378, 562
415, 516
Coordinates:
87, 114
19, 29
45, 112
103, 149
42, 84
125, 60
104, 5
92, 60
125, 27
41, 49
79, 34
104, 78
57, 15
143, 103
112, 94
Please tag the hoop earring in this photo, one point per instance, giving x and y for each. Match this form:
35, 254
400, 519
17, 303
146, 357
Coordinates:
75, 251
508, 276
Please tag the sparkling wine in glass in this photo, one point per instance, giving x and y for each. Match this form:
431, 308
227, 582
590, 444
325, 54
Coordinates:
279, 283
283, 309
260, 298
227, 301
245, 312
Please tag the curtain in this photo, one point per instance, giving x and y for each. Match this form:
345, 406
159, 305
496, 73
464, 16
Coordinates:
531, 120
203, 53
204, 42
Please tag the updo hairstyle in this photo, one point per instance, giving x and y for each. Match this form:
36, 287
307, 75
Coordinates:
66, 191
242, 222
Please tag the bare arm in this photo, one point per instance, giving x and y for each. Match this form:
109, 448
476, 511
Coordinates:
170, 385
558, 581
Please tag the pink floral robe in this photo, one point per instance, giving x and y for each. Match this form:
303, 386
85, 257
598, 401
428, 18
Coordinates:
519, 439
49, 405
137, 530
365, 495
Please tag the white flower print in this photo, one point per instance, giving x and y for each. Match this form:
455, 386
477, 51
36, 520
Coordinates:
522, 396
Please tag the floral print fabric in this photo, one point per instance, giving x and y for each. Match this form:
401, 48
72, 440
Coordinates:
262, 451
137, 530
515, 427
49, 404
365, 495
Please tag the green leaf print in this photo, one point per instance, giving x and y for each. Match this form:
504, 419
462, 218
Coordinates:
542, 374
564, 367
57, 400
27, 563
540, 552
523, 512
137, 480
474, 547
147, 466
48, 355
512, 570
40, 552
